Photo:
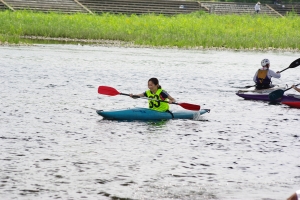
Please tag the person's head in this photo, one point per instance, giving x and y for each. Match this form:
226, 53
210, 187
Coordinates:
258, 3
153, 84
265, 63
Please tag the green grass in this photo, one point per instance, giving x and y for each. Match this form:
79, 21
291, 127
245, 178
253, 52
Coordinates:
192, 30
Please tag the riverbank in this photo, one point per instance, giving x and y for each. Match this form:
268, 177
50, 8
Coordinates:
196, 30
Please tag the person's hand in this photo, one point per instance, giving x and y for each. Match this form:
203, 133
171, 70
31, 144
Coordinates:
134, 96
293, 86
170, 101
278, 72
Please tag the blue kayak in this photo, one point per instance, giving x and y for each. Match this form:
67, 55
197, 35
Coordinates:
148, 114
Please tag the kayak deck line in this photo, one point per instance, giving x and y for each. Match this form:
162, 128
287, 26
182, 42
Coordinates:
148, 114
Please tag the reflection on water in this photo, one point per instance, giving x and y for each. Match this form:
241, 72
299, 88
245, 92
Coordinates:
54, 145
158, 124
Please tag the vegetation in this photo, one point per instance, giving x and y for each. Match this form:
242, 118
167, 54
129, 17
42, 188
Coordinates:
191, 30
261, 1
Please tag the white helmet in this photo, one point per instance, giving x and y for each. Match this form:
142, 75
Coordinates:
264, 62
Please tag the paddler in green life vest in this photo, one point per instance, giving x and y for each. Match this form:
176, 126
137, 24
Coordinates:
156, 92
263, 76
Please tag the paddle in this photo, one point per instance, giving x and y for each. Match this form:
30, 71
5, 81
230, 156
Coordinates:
294, 64
277, 94
113, 92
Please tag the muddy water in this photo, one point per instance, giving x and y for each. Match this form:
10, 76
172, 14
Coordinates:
54, 145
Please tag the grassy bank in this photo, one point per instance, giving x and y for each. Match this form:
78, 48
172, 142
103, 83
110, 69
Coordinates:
193, 30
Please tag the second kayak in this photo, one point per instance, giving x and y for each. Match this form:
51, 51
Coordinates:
291, 100
261, 95
253, 96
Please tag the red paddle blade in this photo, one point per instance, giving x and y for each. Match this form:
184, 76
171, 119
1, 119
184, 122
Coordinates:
189, 106
108, 90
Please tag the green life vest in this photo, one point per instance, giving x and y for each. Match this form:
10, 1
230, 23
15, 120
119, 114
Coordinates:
157, 105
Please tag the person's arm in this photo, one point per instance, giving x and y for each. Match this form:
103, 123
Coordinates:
295, 196
165, 95
254, 78
171, 99
297, 89
273, 74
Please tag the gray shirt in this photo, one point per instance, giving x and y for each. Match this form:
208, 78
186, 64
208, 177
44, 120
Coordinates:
270, 74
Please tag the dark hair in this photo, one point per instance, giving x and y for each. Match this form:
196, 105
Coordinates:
155, 82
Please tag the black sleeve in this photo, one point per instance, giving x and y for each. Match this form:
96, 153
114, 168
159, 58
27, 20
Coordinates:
164, 94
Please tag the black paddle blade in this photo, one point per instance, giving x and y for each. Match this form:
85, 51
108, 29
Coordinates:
294, 64
275, 95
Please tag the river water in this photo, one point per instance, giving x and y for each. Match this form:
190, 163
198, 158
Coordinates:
55, 146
